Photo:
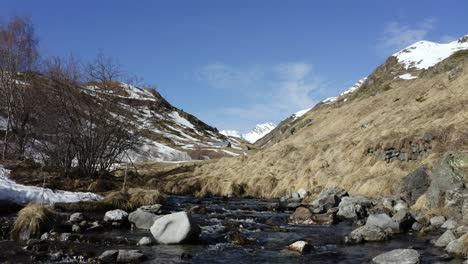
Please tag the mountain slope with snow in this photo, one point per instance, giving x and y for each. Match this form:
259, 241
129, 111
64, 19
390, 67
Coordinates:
399, 119
255, 134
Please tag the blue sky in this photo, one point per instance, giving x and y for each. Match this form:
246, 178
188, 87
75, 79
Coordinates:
234, 64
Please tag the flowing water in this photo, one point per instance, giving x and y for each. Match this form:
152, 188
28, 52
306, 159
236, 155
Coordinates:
268, 243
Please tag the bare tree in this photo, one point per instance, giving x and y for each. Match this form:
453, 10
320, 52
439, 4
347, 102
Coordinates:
18, 54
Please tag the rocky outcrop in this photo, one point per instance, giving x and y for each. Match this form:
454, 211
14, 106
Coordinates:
405, 150
415, 184
447, 184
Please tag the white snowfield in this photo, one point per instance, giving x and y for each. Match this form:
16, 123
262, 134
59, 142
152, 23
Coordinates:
11, 191
180, 120
424, 54
407, 76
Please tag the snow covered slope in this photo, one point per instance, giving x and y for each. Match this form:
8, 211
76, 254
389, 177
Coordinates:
167, 133
11, 191
255, 134
258, 132
425, 54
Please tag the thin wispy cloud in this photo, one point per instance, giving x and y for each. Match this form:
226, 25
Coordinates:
397, 36
271, 92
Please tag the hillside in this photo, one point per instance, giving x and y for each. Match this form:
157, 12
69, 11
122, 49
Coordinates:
165, 133
409, 112
168, 133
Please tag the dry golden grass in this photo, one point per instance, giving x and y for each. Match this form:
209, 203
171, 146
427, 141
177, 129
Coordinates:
129, 200
32, 221
331, 150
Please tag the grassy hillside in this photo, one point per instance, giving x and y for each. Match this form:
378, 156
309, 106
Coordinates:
365, 142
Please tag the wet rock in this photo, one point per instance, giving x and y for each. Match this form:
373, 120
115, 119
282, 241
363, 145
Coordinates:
300, 246
354, 207
275, 221
45, 236
175, 229
404, 219
449, 224
76, 218
117, 215
198, 209
237, 238
300, 215
293, 205
95, 227
368, 233
142, 219
65, 237
145, 241
320, 219
109, 256
154, 208
415, 184
445, 239
185, 256
384, 222
398, 256
121, 256
437, 221
76, 228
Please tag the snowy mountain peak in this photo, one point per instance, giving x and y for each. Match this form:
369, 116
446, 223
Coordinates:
425, 54
258, 132
255, 134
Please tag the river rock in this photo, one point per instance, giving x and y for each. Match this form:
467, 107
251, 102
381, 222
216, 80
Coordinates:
109, 256
302, 193
445, 239
175, 229
354, 207
398, 256
368, 233
415, 184
145, 241
117, 215
449, 224
130, 256
437, 221
458, 246
142, 219
76, 218
300, 246
76, 228
154, 208
416, 226
198, 209
384, 222
326, 202
300, 215
404, 219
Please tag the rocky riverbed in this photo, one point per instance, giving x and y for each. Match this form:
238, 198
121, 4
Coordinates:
231, 230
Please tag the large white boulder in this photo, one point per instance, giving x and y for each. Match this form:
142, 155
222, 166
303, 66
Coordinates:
116, 216
175, 228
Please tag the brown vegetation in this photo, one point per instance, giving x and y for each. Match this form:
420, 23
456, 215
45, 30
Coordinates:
32, 221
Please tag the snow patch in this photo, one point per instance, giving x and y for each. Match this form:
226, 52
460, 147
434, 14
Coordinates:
180, 120
425, 54
355, 87
150, 151
407, 76
231, 133
300, 113
12, 191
